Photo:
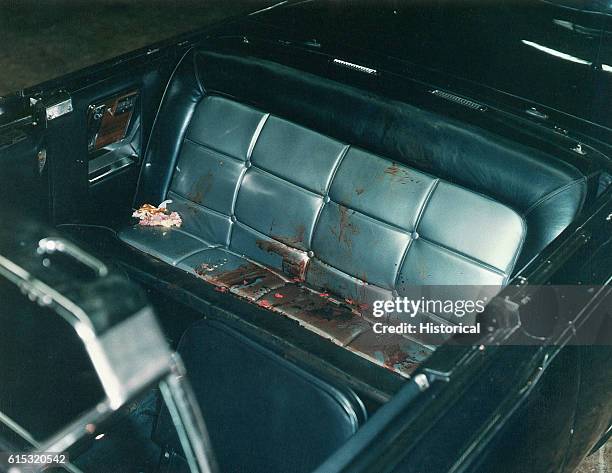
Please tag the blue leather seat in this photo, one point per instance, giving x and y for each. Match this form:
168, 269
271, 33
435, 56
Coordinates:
316, 226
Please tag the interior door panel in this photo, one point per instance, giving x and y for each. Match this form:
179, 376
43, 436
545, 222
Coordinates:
108, 121
113, 135
96, 150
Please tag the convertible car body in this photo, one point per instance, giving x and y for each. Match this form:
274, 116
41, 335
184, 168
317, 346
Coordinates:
326, 161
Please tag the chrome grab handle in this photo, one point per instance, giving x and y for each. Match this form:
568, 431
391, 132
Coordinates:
50, 245
187, 419
124, 370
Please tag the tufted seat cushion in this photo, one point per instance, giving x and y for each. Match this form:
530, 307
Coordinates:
274, 212
313, 199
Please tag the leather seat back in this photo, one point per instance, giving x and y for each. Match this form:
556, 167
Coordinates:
339, 217
361, 224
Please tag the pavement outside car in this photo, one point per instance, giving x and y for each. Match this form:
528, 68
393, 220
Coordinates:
43, 39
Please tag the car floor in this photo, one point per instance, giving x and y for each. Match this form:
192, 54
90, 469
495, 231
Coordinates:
125, 446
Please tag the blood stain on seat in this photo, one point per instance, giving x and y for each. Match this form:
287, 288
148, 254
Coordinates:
346, 228
393, 169
296, 240
400, 174
248, 280
293, 261
394, 356
304, 302
201, 188
246, 274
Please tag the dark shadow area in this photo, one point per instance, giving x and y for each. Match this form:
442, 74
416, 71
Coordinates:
48, 38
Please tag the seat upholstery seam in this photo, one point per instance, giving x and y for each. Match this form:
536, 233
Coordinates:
190, 235
227, 250
213, 150
428, 198
552, 194
382, 224
401, 263
464, 256
256, 263
315, 224
86, 225
233, 208
417, 221
350, 275
256, 106
358, 334
230, 232
287, 181
261, 234
373, 219
256, 134
204, 207
274, 176
343, 154
252, 144
175, 230
143, 248
195, 252
147, 147
196, 71
518, 251
420, 343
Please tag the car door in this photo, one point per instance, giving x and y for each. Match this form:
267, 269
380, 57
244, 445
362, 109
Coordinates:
71, 148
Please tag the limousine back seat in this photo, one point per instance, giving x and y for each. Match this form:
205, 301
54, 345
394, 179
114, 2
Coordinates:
314, 199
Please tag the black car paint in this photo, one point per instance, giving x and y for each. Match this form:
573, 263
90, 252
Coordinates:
516, 55
538, 409
482, 43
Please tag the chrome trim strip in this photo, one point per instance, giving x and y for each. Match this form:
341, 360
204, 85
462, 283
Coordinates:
459, 100
355, 67
187, 419
117, 166
268, 8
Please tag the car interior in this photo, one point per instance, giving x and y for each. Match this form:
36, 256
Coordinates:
305, 195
